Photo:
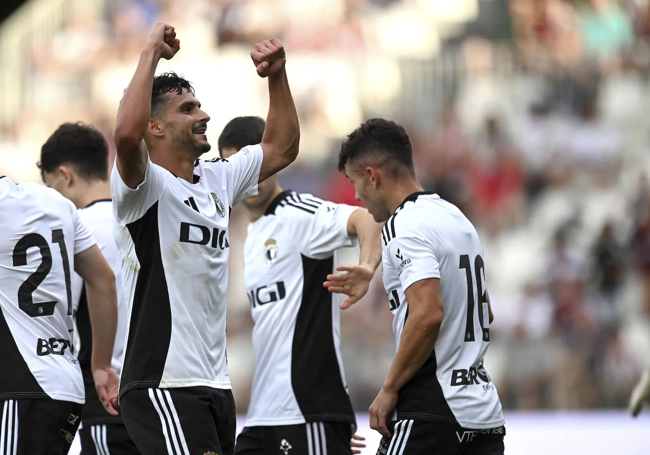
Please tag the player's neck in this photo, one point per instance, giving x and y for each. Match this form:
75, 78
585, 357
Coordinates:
255, 213
180, 165
91, 192
400, 189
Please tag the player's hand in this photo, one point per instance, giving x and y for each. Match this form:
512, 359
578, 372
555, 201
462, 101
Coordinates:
163, 39
356, 446
381, 410
640, 394
269, 57
107, 383
354, 283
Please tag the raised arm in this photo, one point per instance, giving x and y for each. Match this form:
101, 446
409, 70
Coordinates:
135, 109
282, 134
102, 305
356, 281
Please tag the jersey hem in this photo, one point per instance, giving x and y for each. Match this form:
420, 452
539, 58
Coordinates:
173, 385
274, 422
463, 424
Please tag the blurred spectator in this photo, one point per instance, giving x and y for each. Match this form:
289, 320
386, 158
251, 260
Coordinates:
608, 257
606, 30
594, 146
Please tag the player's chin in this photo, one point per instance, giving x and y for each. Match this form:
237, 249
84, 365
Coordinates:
203, 146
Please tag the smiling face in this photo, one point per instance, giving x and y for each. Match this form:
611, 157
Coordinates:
181, 123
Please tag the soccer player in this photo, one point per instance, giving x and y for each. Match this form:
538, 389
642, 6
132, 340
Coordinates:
41, 385
74, 161
434, 276
299, 402
172, 211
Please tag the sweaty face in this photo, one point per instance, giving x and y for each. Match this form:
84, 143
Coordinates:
367, 192
184, 123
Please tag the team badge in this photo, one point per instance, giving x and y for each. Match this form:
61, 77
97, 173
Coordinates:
210, 453
221, 209
271, 251
285, 446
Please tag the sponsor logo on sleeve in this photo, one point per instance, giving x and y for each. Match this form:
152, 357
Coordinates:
404, 264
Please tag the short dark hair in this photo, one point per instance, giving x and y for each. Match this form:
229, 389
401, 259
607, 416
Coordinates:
383, 140
78, 145
240, 132
167, 83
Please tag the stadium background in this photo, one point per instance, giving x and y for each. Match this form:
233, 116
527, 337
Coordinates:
531, 115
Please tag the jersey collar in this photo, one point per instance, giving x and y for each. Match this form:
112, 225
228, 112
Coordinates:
270, 210
412, 198
98, 200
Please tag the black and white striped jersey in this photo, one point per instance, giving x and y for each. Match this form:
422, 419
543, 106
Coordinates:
428, 237
98, 219
41, 234
173, 240
287, 256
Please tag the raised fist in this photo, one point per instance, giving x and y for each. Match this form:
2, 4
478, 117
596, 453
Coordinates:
269, 57
163, 39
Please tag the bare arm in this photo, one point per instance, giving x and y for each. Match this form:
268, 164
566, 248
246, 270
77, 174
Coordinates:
282, 134
363, 226
356, 281
135, 108
418, 340
102, 305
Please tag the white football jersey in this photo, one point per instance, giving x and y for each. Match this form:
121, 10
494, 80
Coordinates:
98, 219
287, 256
428, 237
173, 240
41, 234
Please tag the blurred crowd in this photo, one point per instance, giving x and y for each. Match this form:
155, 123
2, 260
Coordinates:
540, 136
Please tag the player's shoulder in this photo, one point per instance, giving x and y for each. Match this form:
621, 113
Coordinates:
290, 204
99, 210
413, 217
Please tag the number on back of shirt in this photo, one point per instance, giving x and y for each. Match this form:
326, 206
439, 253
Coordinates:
26, 290
479, 272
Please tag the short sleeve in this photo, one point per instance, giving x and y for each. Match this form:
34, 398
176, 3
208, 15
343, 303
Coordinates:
414, 258
243, 170
82, 238
131, 204
327, 230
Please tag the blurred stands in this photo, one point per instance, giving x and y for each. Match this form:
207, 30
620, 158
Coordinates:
528, 114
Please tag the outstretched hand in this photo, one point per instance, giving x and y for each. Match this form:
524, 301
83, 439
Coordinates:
354, 283
357, 446
107, 383
163, 38
269, 57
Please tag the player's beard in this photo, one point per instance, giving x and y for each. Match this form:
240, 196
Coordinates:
190, 142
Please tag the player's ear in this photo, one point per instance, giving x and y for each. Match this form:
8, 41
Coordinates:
68, 175
373, 175
155, 127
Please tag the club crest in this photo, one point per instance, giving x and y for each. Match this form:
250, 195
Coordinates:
221, 209
285, 446
271, 251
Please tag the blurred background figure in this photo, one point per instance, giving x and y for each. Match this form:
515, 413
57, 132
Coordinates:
530, 115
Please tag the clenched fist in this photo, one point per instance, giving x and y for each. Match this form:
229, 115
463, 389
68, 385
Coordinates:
163, 39
269, 57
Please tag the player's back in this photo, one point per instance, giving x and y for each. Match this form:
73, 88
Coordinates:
428, 237
41, 234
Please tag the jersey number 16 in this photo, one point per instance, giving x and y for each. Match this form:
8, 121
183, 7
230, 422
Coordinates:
479, 270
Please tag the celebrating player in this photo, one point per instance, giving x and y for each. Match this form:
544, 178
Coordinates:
74, 161
172, 212
41, 385
299, 397
434, 276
